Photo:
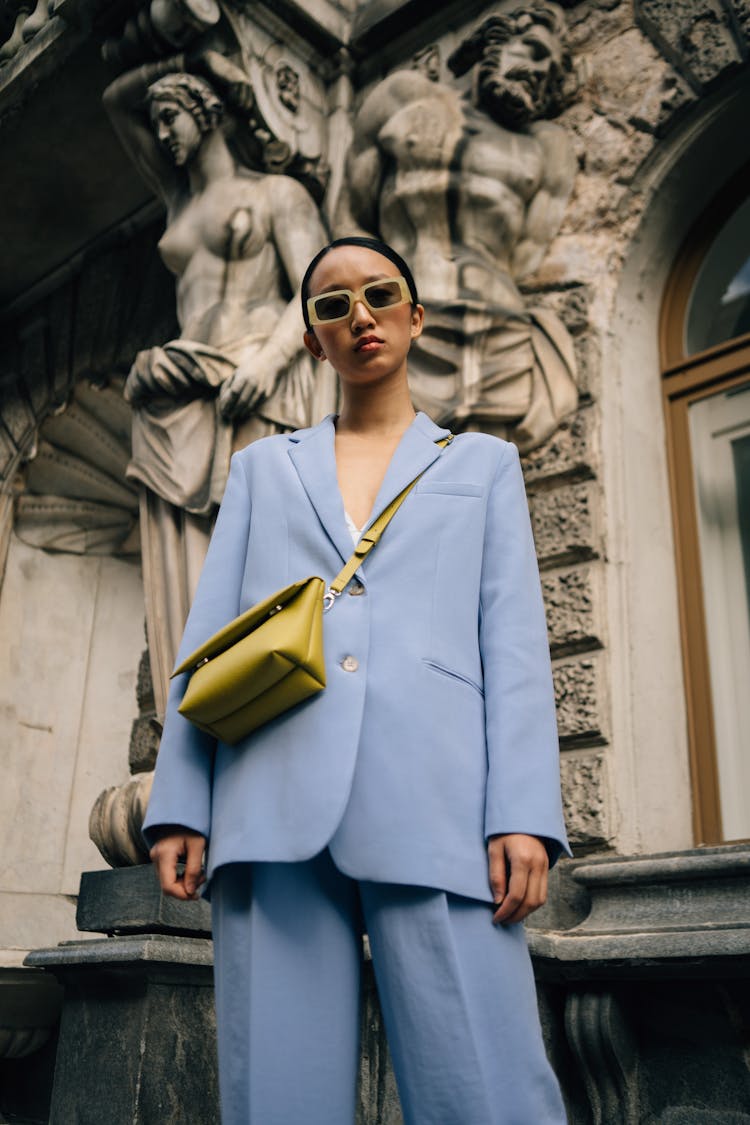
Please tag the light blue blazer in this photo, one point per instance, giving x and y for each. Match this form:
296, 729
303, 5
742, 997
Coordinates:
437, 725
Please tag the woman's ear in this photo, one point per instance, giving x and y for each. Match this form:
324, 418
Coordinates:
313, 344
417, 321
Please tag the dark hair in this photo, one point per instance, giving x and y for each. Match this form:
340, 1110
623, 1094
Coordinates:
369, 244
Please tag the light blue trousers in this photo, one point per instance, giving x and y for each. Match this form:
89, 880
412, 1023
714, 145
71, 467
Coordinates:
457, 995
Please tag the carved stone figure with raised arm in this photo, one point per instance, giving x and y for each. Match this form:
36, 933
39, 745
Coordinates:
237, 241
471, 189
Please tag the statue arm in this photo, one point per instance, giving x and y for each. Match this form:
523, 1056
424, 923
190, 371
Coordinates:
357, 211
545, 211
298, 234
125, 100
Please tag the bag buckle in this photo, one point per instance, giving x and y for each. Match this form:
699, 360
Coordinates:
329, 598
201, 663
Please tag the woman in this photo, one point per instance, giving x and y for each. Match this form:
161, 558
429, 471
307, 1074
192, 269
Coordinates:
417, 796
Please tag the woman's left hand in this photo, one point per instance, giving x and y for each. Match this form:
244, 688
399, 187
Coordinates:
518, 875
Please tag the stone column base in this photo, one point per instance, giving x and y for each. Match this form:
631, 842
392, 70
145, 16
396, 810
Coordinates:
137, 1036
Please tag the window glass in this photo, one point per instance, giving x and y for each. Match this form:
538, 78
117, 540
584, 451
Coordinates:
719, 304
720, 440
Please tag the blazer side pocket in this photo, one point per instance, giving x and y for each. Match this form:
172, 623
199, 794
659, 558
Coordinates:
455, 676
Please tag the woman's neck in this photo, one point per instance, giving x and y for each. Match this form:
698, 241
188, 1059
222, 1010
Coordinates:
375, 412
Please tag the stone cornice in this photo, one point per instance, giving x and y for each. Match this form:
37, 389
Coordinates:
659, 914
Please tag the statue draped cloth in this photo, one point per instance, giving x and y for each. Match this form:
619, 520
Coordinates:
181, 447
477, 363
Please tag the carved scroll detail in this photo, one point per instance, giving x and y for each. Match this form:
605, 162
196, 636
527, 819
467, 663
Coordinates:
602, 1041
116, 820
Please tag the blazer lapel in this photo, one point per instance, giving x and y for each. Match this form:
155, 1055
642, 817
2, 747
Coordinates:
415, 452
312, 453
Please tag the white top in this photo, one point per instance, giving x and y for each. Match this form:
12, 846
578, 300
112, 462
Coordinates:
354, 531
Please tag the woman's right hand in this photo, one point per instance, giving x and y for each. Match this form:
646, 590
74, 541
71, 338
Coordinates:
177, 845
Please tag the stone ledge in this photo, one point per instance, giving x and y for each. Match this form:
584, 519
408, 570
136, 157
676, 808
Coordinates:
673, 913
147, 949
724, 953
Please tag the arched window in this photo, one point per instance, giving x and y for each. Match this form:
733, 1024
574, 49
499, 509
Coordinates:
705, 345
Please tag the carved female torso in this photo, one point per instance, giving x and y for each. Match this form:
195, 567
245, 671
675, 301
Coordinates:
220, 246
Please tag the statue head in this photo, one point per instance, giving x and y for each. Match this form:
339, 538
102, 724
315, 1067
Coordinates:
288, 87
523, 68
183, 108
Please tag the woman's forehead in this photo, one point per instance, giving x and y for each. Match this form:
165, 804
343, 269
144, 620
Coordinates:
348, 267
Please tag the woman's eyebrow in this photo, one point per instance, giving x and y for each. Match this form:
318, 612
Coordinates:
338, 288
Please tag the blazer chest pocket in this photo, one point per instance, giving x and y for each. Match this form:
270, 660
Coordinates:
449, 488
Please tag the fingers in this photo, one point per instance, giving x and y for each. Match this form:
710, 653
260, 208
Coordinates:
515, 895
133, 391
165, 855
238, 397
498, 869
193, 876
139, 385
528, 865
168, 852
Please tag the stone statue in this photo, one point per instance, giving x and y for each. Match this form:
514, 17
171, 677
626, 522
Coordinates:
238, 241
471, 189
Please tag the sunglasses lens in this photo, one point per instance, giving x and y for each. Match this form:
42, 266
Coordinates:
381, 294
331, 306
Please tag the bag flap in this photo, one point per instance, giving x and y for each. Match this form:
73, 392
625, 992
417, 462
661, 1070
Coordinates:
242, 625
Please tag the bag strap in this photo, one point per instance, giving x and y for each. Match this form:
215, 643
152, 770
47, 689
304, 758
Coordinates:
370, 538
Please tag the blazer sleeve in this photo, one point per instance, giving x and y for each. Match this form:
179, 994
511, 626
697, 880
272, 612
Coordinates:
523, 783
181, 792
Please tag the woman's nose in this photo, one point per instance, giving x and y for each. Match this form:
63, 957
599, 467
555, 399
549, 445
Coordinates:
361, 317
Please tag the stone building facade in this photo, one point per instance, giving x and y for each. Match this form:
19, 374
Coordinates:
613, 218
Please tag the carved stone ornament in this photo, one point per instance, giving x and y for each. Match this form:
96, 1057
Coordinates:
29, 1009
603, 1043
470, 184
284, 102
427, 61
116, 820
75, 496
702, 39
160, 28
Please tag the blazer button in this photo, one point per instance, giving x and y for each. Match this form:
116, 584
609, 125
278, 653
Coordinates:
350, 664
356, 588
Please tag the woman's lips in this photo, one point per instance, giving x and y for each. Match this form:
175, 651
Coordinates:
369, 344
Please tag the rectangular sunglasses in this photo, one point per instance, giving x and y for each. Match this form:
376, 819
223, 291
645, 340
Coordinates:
377, 295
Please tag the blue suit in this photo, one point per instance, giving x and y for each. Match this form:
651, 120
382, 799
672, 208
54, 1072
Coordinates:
437, 725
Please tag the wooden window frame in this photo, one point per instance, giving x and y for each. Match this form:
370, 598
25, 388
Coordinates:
685, 380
